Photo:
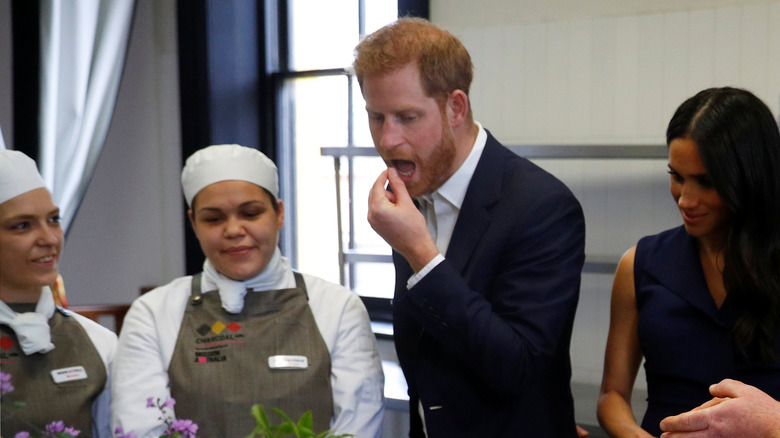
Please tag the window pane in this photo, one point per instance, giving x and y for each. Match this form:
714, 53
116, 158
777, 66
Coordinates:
323, 34
366, 170
374, 280
362, 135
379, 13
320, 120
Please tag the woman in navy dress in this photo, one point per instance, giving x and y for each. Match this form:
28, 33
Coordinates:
701, 302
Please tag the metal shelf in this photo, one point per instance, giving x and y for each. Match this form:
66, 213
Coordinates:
594, 264
571, 152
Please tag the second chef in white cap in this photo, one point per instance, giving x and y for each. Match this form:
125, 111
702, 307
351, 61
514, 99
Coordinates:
248, 329
57, 362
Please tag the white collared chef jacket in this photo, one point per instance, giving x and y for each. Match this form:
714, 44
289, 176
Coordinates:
151, 327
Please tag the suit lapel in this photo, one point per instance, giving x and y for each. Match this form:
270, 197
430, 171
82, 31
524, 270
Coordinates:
484, 190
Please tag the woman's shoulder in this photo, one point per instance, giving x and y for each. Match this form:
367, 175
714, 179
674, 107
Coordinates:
174, 290
104, 339
662, 240
664, 254
317, 286
93, 329
336, 309
163, 303
329, 297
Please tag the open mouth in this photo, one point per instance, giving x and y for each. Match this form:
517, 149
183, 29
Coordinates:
404, 167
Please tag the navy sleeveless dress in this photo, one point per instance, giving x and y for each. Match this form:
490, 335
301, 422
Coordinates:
686, 340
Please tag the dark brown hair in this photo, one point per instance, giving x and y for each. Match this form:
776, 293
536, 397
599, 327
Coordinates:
739, 143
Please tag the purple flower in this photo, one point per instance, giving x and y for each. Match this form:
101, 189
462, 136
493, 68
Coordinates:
187, 428
120, 433
56, 427
182, 428
5, 383
22, 434
53, 428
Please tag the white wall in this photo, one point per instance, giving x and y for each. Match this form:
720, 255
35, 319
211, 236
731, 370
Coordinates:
609, 72
128, 232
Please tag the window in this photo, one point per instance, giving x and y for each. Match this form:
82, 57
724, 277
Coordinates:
273, 74
321, 107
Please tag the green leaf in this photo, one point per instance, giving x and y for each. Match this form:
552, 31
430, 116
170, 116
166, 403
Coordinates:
306, 421
304, 428
305, 432
281, 413
259, 413
287, 428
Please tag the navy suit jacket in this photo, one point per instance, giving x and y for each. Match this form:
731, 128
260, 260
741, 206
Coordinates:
483, 339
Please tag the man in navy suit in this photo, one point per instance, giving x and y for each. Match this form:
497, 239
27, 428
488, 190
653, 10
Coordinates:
488, 248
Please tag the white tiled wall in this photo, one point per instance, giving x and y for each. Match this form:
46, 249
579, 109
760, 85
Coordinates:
609, 72
617, 79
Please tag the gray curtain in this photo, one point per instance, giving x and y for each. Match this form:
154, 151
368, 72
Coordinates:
83, 48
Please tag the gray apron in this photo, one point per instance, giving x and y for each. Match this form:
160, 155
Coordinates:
45, 400
220, 365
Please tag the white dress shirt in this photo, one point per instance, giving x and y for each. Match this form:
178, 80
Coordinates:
447, 201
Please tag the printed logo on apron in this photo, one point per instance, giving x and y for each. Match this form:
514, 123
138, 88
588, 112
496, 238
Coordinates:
271, 353
214, 339
6, 356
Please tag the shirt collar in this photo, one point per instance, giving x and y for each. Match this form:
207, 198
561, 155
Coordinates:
454, 189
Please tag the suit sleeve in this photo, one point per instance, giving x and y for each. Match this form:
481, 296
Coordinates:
509, 312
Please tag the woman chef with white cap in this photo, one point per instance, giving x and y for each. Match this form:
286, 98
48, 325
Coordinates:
58, 361
248, 329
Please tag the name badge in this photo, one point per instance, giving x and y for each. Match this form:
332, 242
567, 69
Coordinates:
69, 374
287, 362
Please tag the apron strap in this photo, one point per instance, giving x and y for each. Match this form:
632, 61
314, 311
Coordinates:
195, 292
301, 284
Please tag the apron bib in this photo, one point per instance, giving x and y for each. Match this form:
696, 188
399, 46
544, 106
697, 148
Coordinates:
220, 365
70, 398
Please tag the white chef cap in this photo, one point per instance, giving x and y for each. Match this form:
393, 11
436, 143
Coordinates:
18, 174
227, 162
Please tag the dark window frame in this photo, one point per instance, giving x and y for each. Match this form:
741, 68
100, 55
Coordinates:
200, 26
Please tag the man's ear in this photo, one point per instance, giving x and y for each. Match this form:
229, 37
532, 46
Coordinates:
457, 108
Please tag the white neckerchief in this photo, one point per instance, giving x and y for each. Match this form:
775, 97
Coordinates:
31, 328
277, 275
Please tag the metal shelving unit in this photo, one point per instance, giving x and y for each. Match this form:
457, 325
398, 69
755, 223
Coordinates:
593, 264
